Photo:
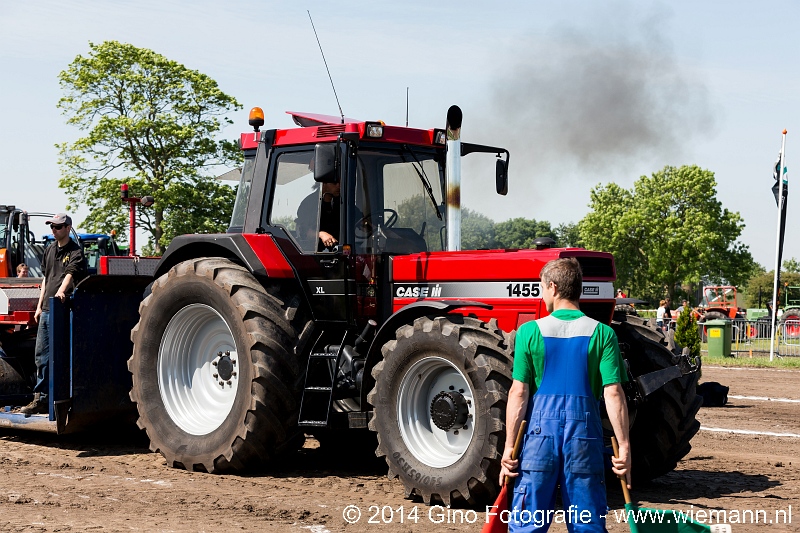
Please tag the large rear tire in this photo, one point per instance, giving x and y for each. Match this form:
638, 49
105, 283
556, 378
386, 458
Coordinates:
440, 398
790, 323
217, 367
666, 422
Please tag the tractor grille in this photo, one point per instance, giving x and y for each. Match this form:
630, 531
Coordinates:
330, 131
596, 267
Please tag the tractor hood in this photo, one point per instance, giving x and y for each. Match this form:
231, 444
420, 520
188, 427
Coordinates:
496, 265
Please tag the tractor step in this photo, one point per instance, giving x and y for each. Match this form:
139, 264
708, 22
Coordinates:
315, 406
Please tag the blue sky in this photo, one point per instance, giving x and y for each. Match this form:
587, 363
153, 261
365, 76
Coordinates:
581, 93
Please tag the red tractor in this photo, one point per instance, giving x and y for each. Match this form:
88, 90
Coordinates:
251, 338
338, 303
720, 303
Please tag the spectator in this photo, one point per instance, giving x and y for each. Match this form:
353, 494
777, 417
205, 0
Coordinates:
63, 265
660, 314
667, 312
621, 294
684, 305
22, 270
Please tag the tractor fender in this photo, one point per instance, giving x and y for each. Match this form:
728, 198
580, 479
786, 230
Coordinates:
406, 315
257, 252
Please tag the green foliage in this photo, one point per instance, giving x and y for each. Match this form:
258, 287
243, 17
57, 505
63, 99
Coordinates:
687, 333
418, 209
150, 122
764, 281
477, 231
568, 236
791, 265
521, 232
668, 230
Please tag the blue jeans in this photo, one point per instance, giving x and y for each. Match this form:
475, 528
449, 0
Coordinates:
42, 355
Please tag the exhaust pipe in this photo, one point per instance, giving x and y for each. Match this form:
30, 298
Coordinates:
453, 178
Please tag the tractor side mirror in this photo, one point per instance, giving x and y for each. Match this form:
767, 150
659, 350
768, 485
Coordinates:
501, 177
326, 163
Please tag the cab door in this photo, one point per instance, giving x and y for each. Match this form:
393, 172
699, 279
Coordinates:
300, 209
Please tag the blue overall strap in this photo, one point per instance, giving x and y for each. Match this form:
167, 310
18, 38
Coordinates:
566, 345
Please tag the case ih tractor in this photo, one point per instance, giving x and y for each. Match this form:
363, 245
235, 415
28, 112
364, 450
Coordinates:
251, 338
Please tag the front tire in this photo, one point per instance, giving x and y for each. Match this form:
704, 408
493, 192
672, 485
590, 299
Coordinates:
440, 397
216, 367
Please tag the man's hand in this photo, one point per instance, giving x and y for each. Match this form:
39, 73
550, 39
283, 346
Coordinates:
37, 313
60, 295
327, 239
621, 465
617, 410
508, 466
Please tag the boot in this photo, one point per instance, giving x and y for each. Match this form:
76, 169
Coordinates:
37, 406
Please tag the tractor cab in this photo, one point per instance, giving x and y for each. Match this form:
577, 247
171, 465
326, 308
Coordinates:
342, 198
18, 243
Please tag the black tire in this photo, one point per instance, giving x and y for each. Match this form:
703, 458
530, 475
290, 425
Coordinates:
625, 309
268, 329
666, 422
715, 315
465, 349
711, 315
792, 329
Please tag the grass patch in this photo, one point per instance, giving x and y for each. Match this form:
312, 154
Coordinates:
743, 359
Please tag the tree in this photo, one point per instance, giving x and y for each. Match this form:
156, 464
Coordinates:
791, 265
687, 333
568, 236
521, 232
477, 231
759, 288
150, 122
668, 230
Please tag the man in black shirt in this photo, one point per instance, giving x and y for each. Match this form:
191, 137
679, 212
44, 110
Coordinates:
63, 265
329, 205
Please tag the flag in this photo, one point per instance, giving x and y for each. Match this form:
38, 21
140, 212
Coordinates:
775, 188
495, 524
781, 198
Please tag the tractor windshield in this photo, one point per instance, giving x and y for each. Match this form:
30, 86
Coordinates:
243, 192
399, 200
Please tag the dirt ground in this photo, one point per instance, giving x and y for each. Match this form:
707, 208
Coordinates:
78, 484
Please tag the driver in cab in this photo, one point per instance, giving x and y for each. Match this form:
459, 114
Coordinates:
330, 207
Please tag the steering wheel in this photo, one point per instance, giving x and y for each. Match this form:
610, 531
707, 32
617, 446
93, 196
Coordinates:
364, 224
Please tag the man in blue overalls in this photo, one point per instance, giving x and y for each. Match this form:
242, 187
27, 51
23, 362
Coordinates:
568, 360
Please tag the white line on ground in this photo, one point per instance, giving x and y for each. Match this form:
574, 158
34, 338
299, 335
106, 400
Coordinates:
749, 432
763, 398
751, 368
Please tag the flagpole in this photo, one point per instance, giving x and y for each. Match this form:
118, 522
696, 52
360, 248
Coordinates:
777, 250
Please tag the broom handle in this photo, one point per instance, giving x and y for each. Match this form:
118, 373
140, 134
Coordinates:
625, 492
517, 445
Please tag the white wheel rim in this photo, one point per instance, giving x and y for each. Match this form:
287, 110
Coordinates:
192, 395
420, 384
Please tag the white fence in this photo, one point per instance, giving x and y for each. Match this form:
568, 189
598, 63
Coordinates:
752, 337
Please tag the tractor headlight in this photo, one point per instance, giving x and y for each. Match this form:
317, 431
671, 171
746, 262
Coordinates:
374, 129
